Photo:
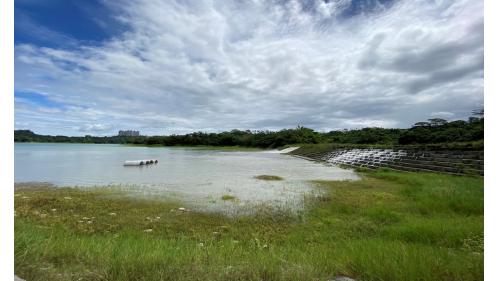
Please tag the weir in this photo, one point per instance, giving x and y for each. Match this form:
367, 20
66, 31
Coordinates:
446, 161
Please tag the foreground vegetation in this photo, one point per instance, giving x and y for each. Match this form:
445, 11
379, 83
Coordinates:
432, 131
388, 226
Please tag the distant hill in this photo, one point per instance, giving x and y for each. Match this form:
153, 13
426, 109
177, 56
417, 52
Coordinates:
30, 136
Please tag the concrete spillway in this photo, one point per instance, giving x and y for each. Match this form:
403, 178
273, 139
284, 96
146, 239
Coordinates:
445, 161
289, 149
283, 151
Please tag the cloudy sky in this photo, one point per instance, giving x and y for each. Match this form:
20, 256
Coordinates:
164, 67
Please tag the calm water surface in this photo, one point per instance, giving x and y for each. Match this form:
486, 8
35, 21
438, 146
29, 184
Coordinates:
199, 177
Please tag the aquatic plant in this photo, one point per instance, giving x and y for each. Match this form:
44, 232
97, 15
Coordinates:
269, 178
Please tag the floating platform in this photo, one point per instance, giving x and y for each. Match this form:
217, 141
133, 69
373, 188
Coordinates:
140, 162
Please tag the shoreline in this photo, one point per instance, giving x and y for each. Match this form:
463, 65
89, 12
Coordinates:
195, 147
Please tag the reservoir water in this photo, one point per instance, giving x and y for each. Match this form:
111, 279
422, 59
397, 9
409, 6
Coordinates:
198, 177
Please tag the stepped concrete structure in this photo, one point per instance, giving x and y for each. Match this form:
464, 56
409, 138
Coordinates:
445, 161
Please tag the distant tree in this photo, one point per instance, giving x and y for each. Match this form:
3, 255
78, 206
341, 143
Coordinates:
478, 113
434, 131
477, 116
422, 124
434, 122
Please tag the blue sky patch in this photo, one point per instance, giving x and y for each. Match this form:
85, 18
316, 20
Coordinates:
63, 23
365, 6
37, 99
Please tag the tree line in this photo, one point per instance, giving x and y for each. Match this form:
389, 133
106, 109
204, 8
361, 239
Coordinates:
426, 132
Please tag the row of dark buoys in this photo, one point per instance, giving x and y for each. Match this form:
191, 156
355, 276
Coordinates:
140, 162
147, 162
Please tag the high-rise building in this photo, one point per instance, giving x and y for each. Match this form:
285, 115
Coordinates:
128, 133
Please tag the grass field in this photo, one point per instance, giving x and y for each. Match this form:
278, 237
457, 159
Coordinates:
388, 226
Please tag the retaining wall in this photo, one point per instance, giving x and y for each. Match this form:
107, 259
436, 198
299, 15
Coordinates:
446, 161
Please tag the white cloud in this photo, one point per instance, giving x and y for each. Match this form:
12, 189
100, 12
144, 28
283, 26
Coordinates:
217, 65
442, 114
335, 7
93, 128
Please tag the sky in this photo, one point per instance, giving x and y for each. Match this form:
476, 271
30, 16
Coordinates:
172, 67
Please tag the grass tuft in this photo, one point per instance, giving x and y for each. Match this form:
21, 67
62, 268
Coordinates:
227, 197
269, 178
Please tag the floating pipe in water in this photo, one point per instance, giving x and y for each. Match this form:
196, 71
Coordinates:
133, 163
139, 162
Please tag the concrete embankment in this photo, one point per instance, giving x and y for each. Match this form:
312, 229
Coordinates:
283, 151
445, 161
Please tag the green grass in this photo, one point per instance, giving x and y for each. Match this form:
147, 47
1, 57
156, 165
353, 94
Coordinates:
227, 197
388, 226
269, 178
